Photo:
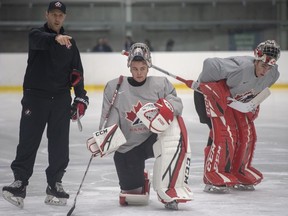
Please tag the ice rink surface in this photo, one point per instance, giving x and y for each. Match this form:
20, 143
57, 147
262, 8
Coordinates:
99, 194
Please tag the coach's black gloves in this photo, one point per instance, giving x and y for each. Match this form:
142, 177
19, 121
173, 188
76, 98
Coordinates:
79, 107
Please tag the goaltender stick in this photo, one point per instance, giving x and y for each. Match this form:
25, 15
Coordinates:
148, 112
232, 138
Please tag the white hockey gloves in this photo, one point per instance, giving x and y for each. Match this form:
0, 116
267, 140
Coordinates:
106, 141
157, 117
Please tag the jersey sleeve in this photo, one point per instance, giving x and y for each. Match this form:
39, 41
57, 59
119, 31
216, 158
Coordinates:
215, 69
41, 40
171, 96
77, 64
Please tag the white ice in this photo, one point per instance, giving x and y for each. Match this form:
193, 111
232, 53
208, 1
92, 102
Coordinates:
99, 194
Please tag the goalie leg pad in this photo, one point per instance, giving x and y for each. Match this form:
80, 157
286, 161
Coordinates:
137, 199
215, 96
219, 156
242, 167
172, 164
133, 199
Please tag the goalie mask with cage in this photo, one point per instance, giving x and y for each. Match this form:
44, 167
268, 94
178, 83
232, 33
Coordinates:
139, 51
268, 52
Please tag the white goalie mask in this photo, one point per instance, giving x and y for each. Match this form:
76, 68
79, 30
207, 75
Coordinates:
268, 52
139, 50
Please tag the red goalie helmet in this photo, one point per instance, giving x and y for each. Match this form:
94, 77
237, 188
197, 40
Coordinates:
268, 52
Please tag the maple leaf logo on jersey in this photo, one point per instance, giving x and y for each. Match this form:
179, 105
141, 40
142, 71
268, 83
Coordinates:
131, 116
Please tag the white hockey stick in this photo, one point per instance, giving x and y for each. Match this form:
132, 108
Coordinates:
237, 105
78, 121
104, 124
252, 104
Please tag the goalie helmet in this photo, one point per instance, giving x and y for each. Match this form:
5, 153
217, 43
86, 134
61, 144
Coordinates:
139, 51
268, 52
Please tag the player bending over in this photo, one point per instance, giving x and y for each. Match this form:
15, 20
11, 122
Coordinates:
148, 111
232, 138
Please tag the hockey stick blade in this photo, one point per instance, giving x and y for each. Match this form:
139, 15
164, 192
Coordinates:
252, 104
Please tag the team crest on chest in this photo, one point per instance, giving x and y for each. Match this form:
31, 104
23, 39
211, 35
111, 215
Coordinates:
132, 117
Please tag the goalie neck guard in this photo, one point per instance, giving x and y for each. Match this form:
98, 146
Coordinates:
139, 51
268, 52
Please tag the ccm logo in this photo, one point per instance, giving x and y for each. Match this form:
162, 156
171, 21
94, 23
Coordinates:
101, 132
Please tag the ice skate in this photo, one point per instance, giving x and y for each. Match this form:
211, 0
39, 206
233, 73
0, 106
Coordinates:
15, 193
172, 205
216, 189
56, 195
242, 187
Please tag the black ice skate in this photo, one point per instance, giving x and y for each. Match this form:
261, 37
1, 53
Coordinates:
216, 189
172, 205
56, 195
15, 193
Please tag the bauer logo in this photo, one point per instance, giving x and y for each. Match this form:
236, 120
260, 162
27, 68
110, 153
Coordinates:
101, 132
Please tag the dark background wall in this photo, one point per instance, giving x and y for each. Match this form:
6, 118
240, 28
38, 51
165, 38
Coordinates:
194, 25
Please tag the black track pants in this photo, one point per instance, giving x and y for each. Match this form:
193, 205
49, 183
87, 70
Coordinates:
37, 113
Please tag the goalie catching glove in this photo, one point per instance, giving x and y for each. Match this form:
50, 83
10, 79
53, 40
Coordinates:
157, 117
79, 107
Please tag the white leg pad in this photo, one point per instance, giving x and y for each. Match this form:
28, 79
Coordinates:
134, 199
172, 164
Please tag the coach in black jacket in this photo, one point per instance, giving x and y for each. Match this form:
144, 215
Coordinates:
54, 66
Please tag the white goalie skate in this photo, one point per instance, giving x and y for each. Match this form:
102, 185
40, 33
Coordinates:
56, 195
216, 189
15, 193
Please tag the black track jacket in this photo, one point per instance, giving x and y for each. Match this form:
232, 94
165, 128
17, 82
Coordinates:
50, 64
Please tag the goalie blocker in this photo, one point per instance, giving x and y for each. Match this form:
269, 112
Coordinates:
106, 141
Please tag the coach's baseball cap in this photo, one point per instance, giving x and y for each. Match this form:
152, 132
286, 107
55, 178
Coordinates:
57, 5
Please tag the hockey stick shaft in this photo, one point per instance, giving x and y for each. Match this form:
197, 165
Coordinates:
75, 199
90, 160
188, 83
78, 121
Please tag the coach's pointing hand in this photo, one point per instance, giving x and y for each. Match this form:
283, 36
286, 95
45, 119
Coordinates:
64, 40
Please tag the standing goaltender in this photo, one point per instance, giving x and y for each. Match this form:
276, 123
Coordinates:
54, 66
232, 138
